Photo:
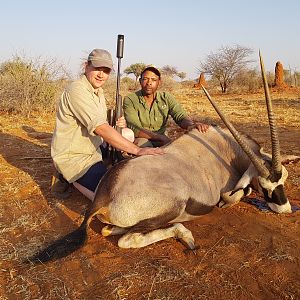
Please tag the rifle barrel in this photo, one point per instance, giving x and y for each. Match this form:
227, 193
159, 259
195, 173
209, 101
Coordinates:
120, 50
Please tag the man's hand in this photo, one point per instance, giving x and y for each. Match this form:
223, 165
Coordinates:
121, 122
202, 127
150, 151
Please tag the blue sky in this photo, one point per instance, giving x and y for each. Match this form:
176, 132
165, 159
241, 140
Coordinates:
160, 32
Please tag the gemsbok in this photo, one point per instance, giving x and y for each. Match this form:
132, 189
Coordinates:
146, 199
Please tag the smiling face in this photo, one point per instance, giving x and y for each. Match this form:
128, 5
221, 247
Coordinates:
149, 83
96, 76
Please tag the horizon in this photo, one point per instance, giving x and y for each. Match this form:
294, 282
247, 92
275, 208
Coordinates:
176, 33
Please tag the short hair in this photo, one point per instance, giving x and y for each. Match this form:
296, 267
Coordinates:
152, 69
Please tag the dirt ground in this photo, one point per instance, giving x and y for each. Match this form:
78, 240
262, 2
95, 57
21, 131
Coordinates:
244, 252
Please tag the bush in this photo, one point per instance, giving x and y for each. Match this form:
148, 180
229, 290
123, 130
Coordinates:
30, 85
129, 84
168, 84
247, 81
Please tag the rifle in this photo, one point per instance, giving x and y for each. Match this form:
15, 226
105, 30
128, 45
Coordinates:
119, 104
113, 116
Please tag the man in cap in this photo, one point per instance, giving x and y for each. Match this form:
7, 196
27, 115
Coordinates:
146, 111
81, 127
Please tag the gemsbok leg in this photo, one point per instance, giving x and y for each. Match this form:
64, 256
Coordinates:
138, 240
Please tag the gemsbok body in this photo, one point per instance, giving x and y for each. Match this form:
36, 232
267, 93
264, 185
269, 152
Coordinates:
147, 198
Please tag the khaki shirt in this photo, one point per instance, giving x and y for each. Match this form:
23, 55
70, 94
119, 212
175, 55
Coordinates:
139, 115
75, 147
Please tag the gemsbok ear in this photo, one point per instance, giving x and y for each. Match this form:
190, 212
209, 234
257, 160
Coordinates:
241, 189
285, 158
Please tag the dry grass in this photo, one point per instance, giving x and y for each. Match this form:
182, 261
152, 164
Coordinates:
30, 218
239, 107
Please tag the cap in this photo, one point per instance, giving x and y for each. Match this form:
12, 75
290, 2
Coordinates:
153, 69
100, 58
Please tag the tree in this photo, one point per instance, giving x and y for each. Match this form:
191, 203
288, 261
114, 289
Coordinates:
296, 77
225, 64
169, 71
181, 75
249, 80
135, 69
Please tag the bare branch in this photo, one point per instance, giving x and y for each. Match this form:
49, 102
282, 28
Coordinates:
226, 63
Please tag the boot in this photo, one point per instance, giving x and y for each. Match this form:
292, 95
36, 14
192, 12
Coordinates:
60, 187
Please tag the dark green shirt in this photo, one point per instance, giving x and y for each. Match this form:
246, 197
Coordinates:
139, 115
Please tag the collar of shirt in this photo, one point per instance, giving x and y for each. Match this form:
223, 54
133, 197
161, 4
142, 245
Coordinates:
97, 92
143, 101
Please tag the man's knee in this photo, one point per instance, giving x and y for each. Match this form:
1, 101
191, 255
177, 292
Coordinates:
128, 134
92, 177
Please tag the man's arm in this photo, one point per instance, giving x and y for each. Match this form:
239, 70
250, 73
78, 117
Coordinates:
187, 123
111, 136
153, 136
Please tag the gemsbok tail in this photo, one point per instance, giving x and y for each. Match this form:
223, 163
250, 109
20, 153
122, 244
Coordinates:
62, 247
